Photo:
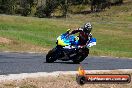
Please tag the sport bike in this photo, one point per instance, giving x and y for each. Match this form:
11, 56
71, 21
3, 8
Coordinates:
68, 48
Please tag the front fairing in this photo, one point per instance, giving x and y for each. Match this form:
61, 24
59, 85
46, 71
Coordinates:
68, 41
65, 40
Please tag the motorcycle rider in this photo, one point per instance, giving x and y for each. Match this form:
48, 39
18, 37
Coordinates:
84, 34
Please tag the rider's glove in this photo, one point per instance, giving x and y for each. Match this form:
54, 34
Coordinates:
68, 31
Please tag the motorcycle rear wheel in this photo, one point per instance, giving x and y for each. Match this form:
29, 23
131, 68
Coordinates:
77, 59
80, 57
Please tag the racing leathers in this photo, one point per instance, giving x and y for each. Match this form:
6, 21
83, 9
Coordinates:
84, 37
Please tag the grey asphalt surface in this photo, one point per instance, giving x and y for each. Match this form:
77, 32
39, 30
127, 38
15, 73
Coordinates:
15, 63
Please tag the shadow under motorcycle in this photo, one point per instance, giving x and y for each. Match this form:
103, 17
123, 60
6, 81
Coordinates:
59, 53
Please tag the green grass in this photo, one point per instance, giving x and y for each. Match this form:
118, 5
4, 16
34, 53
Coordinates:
112, 28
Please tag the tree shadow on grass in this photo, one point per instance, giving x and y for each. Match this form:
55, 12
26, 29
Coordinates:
84, 12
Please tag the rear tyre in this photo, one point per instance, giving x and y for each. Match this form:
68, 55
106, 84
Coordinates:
80, 56
50, 57
77, 59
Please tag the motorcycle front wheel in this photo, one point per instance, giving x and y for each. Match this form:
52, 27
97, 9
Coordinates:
50, 57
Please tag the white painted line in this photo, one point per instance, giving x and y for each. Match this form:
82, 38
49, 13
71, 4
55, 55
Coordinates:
114, 57
21, 76
46, 51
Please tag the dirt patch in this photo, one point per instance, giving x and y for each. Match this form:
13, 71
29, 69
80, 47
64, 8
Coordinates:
4, 40
20, 46
62, 81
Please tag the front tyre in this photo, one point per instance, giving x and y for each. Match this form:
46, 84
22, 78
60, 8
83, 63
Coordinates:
50, 57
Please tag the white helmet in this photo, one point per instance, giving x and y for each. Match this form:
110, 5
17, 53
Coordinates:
87, 27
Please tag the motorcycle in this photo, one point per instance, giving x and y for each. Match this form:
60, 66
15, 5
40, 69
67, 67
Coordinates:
67, 48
